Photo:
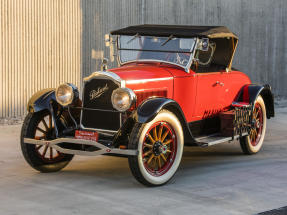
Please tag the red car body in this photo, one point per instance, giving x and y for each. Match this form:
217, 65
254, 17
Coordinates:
175, 86
200, 95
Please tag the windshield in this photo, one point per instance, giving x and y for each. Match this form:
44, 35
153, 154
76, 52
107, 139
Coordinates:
148, 48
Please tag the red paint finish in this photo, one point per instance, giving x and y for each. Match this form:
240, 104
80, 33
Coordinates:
147, 93
208, 95
185, 94
146, 77
200, 95
233, 83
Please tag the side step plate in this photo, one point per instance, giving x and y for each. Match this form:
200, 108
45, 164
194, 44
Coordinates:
217, 138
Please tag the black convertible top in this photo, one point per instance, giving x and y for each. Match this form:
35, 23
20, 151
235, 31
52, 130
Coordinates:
177, 31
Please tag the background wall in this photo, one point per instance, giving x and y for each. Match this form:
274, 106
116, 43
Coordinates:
40, 47
45, 42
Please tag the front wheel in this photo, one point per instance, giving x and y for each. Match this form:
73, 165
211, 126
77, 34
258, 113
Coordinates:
160, 146
252, 144
40, 126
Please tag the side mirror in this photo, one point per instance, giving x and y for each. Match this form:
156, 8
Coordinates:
203, 44
104, 65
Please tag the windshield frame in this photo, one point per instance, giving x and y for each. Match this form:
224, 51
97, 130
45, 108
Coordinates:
186, 68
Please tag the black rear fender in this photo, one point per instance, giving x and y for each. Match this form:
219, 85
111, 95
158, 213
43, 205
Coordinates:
249, 94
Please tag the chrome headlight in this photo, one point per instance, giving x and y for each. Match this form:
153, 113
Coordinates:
66, 94
123, 98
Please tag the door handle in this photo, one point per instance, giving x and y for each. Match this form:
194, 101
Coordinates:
219, 83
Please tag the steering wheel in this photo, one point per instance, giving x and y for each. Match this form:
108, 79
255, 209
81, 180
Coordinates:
178, 58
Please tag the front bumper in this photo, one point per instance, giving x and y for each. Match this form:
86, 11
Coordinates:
102, 149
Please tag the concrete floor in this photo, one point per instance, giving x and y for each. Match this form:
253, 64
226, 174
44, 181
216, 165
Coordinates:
216, 180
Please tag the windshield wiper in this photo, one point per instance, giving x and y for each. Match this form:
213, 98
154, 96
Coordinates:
168, 39
135, 36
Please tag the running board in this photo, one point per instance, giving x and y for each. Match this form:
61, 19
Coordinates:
217, 138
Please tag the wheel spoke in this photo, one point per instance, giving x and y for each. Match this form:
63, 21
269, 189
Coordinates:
163, 157
251, 135
155, 134
164, 136
168, 151
148, 145
45, 124
38, 138
160, 132
257, 112
151, 139
159, 162
150, 159
255, 133
38, 147
45, 150
147, 153
40, 129
51, 153
167, 142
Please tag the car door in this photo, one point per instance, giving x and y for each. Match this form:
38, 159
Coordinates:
209, 88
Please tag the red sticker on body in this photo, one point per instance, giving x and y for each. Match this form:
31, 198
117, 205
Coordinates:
87, 135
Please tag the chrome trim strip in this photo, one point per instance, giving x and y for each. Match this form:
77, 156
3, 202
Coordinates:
142, 81
108, 75
103, 149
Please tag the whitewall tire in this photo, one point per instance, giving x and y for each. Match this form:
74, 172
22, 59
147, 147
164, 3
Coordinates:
160, 146
253, 143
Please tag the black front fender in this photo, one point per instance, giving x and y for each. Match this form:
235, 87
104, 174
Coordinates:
148, 110
41, 100
250, 92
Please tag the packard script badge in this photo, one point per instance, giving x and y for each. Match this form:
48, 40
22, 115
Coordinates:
97, 93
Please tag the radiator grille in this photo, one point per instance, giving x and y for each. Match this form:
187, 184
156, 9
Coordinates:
98, 111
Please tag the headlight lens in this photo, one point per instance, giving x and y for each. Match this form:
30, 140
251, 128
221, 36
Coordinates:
65, 94
123, 98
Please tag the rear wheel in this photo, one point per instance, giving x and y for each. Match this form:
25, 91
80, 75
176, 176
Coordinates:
43, 158
252, 144
160, 145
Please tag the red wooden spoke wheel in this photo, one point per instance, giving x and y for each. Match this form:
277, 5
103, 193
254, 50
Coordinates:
252, 144
159, 148
40, 126
45, 131
257, 128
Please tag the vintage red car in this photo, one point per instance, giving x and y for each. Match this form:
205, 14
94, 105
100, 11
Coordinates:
175, 86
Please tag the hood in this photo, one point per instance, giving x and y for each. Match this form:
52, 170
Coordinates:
142, 72
146, 78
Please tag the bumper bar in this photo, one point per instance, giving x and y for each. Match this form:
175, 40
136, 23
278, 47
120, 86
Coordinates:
102, 148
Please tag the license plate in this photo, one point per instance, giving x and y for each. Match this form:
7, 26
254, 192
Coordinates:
87, 135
